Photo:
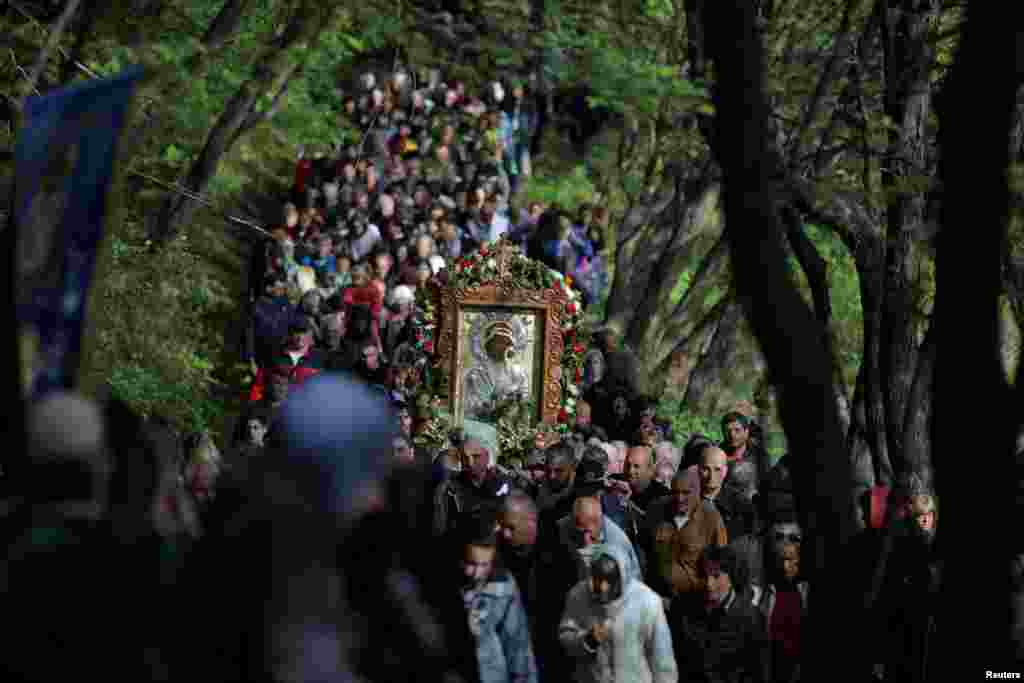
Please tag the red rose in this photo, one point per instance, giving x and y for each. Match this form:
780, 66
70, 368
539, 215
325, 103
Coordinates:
483, 251
578, 348
563, 416
429, 347
571, 307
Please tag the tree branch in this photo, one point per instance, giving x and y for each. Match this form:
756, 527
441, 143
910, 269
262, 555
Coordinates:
225, 24
642, 213
832, 72
697, 327
52, 39
845, 213
814, 267
257, 117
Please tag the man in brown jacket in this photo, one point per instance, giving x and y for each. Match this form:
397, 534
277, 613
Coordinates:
677, 531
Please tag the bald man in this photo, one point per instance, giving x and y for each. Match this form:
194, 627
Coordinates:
517, 524
714, 467
678, 529
738, 513
638, 471
589, 531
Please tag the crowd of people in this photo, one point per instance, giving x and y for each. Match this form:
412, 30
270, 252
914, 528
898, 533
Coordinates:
437, 173
325, 539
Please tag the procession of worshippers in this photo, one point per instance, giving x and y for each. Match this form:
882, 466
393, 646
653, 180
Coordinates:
611, 555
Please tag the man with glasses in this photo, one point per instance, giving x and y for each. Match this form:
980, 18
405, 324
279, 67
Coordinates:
757, 551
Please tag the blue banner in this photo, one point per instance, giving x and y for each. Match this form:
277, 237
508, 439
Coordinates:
64, 163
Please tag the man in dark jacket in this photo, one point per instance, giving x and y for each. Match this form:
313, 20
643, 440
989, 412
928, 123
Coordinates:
517, 519
742, 442
268, 328
724, 639
476, 486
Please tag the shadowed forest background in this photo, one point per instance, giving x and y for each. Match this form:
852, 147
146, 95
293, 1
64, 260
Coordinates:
837, 160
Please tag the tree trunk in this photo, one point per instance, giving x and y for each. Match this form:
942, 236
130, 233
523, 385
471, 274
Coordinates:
908, 63
704, 392
226, 24
787, 330
272, 74
696, 48
969, 388
917, 454
656, 241
870, 270
168, 86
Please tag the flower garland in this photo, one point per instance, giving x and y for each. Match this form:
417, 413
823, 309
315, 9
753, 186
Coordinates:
481, 268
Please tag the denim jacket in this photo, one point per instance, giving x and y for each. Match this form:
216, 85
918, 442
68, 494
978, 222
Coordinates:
499, 623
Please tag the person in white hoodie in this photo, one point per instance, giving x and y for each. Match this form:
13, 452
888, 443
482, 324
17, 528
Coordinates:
615, 628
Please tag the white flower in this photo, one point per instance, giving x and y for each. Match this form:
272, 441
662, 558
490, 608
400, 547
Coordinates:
570, 403
574, 390
492, 264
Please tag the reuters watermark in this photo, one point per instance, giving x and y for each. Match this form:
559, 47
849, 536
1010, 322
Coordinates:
1002, 675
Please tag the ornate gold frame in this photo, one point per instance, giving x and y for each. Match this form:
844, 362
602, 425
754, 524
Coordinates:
502, 293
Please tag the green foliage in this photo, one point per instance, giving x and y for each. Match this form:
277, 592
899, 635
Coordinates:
686, 424
149, 392
628, 78
160, 323
569, 190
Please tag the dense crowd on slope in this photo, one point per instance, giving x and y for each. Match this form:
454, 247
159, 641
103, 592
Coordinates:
323, 545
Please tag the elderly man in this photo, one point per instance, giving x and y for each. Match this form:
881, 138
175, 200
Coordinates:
587, 532
736, 509
396, 326
615, 627
477, 485
639, 472
677, 531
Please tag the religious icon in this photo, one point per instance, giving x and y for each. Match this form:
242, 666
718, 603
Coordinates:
499, 362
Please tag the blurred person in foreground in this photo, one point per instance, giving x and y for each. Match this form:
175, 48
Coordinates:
322, 598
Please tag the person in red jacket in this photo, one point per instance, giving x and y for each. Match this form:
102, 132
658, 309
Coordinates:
303, 172
297, 360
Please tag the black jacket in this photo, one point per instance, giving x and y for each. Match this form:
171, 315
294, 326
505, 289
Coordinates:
723, 646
